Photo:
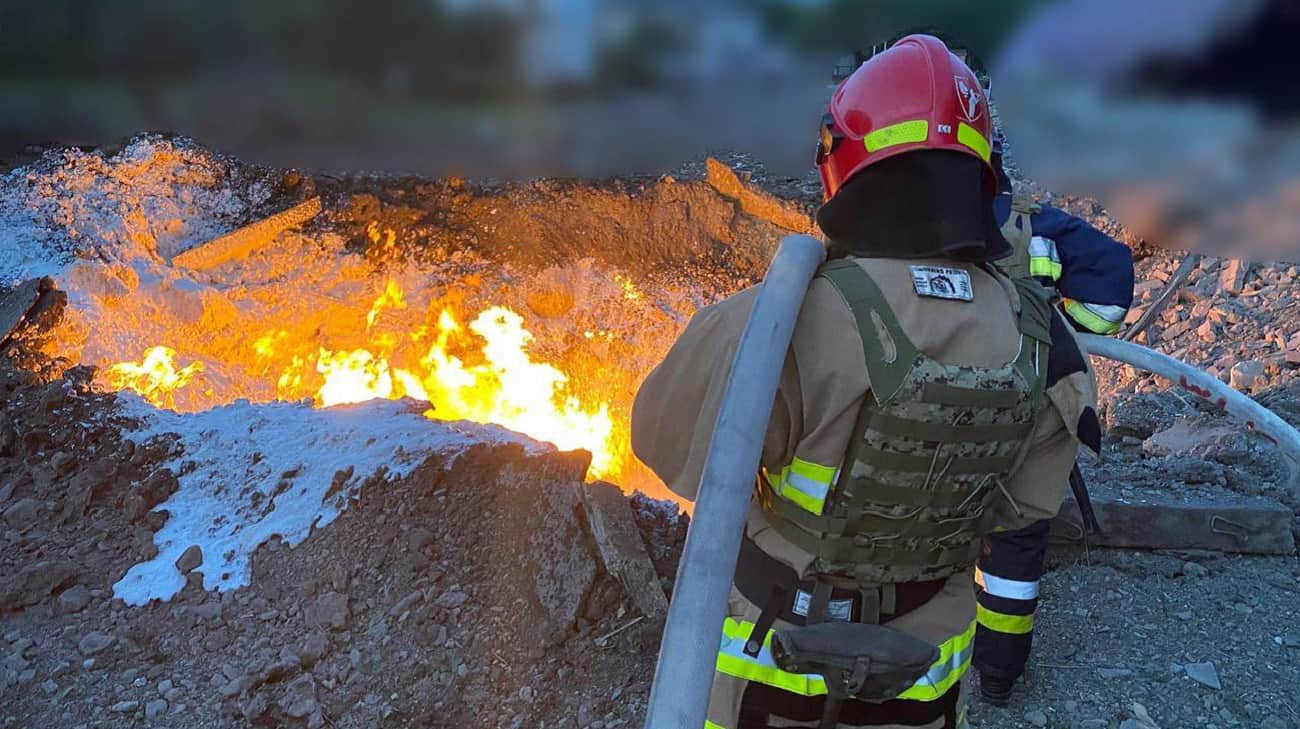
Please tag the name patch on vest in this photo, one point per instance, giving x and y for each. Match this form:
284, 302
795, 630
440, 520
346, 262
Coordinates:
942, 283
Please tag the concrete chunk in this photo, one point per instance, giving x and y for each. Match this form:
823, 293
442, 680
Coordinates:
15, 305
246, 240
622, 549
1226, 523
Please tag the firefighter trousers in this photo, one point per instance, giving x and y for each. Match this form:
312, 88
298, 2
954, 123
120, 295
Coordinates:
1008, 576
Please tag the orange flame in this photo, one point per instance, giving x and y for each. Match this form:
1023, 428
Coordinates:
500, 383
155, 377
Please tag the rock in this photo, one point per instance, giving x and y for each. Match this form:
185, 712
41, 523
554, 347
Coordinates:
49, 687
74, 599
299, 697
155, 709
1115, 672
1192, 569
1183, 436
124, 707
95, 643
35, 582
1204, 673
22, 513
406, 603
1247, 375
60, 668
451, 599
208, 611
255, 706
330, 610
1175, 330
1274, 721
313, 648
1036, 717
1232, 275
419, 538
192, 557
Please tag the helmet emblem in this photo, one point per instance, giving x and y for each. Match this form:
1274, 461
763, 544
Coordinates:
971, 98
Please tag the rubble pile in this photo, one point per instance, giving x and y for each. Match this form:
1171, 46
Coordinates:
235, 556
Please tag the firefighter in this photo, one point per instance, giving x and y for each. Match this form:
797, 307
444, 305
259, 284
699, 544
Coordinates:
1092, 276
926, 399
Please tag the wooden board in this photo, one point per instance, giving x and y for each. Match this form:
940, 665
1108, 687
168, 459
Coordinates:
240, 243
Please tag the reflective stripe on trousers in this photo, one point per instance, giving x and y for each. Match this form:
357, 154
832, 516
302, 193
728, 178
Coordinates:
1008, 575
954, 659
804, 483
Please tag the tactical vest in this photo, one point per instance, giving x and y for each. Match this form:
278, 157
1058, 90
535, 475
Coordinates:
933, 448
1018, 231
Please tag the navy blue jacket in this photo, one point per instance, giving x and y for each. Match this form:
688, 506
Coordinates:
1096, 280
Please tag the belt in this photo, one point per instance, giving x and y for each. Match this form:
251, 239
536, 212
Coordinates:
776, 588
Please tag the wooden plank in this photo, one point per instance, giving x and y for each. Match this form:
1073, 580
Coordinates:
240, 243
621, 548
1224, 523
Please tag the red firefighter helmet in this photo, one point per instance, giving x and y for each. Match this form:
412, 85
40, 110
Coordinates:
916, 95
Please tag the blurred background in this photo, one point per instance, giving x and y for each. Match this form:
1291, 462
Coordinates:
1179, 115
483, 88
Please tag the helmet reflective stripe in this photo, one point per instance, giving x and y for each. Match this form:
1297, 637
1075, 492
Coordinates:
1002, 587
954, 660
1098, 318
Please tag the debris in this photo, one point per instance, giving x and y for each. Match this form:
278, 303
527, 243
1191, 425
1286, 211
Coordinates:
74, 599
1249, 524
1158, 305
1185, 435
1204, 673
622, 549
191, 558
240, 243
758, 204
1246, 375
329, 611
15, 305
124, 707
1233, 275
22, 513
95, 643
35, 582
1036, 717
603, 640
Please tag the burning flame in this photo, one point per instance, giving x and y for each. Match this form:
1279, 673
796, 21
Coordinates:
155, 377
482, 373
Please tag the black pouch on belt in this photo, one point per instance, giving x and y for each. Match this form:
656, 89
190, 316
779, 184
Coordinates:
869, 663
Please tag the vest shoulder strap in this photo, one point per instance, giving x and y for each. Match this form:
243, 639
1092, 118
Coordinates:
890, 355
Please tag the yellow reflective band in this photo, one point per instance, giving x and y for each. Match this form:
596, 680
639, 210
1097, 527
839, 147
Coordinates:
1044, 266
733, 661
906, 132
1081, 313
710, 725
804, 483
1002, 623
954, 660
969, 136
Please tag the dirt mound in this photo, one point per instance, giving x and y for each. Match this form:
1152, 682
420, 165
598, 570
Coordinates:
461, 593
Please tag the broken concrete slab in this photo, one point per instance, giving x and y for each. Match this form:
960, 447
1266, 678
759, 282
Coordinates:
622, 549
1228, 523
240, 243
1233, 275
1185, 435
15, 305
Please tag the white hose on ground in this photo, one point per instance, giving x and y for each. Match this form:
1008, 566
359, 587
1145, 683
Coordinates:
679, 698
1204, 386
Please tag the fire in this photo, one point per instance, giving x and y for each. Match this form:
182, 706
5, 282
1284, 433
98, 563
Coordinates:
155, 377
482, 372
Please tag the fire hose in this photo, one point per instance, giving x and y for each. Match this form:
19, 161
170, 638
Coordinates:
679, 696
1203, 385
